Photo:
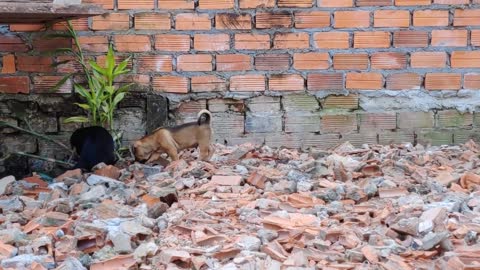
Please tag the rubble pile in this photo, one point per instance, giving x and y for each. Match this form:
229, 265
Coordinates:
376, 207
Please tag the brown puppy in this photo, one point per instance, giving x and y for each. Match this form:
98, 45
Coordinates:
171, 140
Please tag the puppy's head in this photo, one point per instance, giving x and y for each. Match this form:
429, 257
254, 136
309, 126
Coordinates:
140, 152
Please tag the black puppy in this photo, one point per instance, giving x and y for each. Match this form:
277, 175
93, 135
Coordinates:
94, 145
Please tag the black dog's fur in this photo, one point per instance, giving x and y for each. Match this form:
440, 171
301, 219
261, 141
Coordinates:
94, 145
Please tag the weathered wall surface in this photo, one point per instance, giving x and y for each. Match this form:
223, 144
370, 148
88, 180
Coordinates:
294, 73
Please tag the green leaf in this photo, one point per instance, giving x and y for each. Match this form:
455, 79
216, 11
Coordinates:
83, 106
118, 98
76, 119
97, 68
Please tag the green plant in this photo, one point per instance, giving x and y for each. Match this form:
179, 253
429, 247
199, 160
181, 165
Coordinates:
101, 96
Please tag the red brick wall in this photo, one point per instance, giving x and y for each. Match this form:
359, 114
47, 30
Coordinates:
231, 47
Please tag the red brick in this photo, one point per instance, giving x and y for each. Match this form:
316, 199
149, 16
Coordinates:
155, 63
471, 81
350, 61
295, 3
252, 41
8, 65
412, 2
111, 21
27, 27
101, 60
475, 40
313, 19
332, 40
369, 3
430, 18
152, 21
443, 81
247, 83
233, 21
449, 38
367, 81
451, 2
465, 59
265, 20
335, 3
428, 59
410, 39
194, 62
338, 123
352, 19
170, 84
42, 44
216, 4
257, 3
404, 81
389, 60
208, 83
34, 63
138, 79
172, 43
106, 4
136, 4
272, 62
371, 40
71, 66
211, 42
325, 81
291, 41
286, 82
467, 17
132, 43
391, 18
93, 43
192, 21
78, 25
12, 44
176, 4
233, 62
45, 84
311, 61
14, 85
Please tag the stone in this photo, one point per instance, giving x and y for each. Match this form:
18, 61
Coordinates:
407, 226
26, 260
94, 179
250, 243
5, 182
134, 228
167, 195
74, 174
431, 240
94, 194
144, 250
121, 242
169, 255
71, 263
266, 235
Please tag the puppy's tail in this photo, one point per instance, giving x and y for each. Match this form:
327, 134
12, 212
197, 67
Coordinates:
204, 117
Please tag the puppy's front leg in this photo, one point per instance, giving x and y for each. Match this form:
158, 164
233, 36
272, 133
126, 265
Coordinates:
205, 152
172, 152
